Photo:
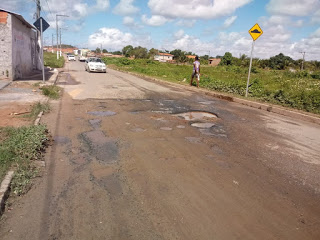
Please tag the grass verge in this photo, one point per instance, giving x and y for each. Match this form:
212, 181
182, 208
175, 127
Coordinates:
36, 109
51, 91
19, 147
50, 60
299, 90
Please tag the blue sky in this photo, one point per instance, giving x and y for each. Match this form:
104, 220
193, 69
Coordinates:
200, 26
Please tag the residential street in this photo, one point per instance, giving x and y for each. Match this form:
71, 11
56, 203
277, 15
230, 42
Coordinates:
137, 159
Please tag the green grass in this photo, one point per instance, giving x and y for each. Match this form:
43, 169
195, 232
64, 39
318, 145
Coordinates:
19, 147
36, 109
300, 90
50, 60
51, 91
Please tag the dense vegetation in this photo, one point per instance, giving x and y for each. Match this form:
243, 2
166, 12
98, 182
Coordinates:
19, 147
50, 60
292, 88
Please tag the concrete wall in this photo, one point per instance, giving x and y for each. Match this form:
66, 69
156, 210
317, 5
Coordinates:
23, 49
214, 61
5, 46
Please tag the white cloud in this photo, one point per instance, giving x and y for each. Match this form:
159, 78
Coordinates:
186, 23
154, 21
229, 21
130, 22
114, 39
316, 17
292, 7
125, 7
110, 38
195, 9
179, 34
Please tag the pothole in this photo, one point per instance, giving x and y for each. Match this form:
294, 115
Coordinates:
102, 113
95, 123
196, 116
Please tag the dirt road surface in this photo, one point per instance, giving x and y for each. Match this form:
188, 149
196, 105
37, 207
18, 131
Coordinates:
134, 159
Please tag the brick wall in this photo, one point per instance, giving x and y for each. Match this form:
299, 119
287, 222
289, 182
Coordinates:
5, 46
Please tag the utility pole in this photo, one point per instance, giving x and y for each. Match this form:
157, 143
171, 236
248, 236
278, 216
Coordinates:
57, 28
38, 35
303, 54
52, 44
60, 42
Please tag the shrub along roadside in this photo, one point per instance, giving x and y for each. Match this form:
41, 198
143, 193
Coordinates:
300, 90
19, 147
51, 91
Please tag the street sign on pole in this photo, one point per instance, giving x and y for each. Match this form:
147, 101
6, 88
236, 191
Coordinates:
41, 25
255, 32
45, 25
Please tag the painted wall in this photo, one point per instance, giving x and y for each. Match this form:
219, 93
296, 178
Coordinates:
5, 46
23, 49
163, 58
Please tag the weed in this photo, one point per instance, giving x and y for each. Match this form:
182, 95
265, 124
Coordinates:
36, 109
18, 148
51, 91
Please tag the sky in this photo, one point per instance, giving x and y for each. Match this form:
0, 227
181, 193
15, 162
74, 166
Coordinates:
204, 27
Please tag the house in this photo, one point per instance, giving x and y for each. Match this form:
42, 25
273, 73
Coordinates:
214, 61
163, 57
191, 57
18, 49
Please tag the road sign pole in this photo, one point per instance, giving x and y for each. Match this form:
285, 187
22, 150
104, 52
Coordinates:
249, 68
41, 32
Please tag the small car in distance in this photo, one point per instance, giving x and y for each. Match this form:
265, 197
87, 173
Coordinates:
82, 58
94, 64
71, 57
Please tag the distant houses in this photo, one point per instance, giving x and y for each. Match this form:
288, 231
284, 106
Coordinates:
163, 57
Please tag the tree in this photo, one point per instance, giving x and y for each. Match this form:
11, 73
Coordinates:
204, 57
152, 53
117, 53
226, 59
280, 61
139, 52
179, 55
126, 51
104, 51
98, 50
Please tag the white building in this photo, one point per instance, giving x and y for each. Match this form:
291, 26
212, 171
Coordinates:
163, 57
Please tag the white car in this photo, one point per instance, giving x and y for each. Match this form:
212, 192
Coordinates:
94, 64
71, 57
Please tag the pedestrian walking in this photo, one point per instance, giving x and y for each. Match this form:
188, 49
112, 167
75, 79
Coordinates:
196, 71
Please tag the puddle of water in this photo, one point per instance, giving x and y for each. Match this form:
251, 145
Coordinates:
103, 148
202, 125
193, 139
61, 139
181, 126
111, 184
168, 112
102, 113
166, 128
194, 116
206, 132
95, 123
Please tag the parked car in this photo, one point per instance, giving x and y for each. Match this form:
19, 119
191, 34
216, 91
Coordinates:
94, 64
71, 57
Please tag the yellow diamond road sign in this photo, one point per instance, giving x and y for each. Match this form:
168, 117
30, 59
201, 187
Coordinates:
255, 32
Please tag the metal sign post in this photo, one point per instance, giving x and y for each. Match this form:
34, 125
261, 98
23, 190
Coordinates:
41, 25
255, 33
41, 32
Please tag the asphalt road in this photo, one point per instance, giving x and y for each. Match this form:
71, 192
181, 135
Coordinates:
134, 159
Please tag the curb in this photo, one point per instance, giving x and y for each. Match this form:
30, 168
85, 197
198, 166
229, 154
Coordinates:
5, 184
4, 190
309, 117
